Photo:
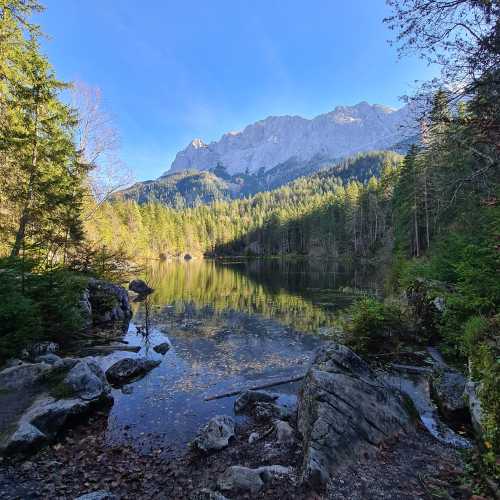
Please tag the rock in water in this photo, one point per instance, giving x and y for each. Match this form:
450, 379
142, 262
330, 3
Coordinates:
162, 348
126, 369
140, 287
344, 413
215, 435
248, 398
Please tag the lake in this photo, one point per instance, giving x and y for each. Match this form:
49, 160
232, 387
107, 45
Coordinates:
230, 325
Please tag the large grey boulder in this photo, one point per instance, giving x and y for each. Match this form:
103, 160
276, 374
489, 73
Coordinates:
140, 287
344, 413
128, 369
86, 380
247, 399
64, 392
24, 375
42, 422
108, 302
25, 438
215, 435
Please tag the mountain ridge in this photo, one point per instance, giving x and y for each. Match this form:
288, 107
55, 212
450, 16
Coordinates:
344, 131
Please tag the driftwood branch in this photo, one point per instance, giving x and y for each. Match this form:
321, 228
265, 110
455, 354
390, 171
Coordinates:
256, 387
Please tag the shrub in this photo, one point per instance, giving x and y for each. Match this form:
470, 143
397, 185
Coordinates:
37, 306
374, 326
20, 319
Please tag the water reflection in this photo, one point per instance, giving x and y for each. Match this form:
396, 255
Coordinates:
229, 325
304, 294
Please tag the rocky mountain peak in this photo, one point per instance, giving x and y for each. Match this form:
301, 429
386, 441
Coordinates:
276, 139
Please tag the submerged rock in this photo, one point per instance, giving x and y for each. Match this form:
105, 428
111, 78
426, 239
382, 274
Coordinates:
162, 348
248, 398
140, 287
127, 369
345, 412
215, 435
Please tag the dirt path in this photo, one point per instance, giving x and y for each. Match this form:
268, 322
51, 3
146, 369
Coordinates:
416, 467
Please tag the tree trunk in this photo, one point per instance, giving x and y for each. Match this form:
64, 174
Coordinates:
23, 221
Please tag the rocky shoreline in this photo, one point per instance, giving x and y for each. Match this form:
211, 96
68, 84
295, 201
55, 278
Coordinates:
351, 434
83, 462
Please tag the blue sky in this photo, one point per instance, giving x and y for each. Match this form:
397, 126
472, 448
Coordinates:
173, 70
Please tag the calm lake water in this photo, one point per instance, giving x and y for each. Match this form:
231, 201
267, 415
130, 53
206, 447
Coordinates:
230, 326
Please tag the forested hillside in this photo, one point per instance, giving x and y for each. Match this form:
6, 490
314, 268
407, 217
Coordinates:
338, 210
192, 188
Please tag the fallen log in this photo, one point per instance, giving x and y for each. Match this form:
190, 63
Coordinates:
256, 387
